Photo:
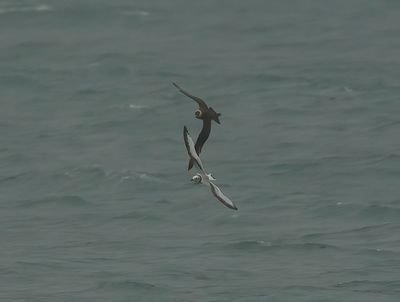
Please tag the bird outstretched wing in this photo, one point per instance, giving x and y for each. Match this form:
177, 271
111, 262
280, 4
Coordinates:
202, 105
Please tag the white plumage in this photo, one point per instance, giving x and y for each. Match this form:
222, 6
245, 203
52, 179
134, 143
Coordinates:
202, 176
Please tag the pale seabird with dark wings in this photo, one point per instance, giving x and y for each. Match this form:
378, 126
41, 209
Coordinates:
203, 177
205, 113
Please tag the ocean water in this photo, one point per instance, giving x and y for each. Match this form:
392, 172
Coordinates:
96, 201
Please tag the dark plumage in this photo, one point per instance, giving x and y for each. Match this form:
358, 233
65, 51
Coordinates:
205, 113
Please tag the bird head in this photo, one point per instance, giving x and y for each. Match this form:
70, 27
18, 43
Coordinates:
198, 114
196, 179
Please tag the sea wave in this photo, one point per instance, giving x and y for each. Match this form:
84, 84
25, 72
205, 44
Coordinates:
126, 284
261, 245
24, 9
66, 200
372, 286
140, 13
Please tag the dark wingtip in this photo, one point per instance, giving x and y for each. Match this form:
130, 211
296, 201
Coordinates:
231, 206
176, 85
185, 133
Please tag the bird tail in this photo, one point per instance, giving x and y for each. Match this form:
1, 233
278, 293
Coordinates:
215, 115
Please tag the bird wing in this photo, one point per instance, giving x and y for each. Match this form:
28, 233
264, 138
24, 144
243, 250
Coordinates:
221, 196
192, 151
201, 139
203, 135
202, 105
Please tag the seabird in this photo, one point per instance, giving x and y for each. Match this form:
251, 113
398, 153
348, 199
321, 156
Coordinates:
205, 113
204, 177
198, 178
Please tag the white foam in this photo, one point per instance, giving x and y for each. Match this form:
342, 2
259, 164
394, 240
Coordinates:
133, 106
43, 8
141, 13
38, 8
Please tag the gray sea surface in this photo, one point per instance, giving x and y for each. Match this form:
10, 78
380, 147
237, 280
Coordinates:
96, 201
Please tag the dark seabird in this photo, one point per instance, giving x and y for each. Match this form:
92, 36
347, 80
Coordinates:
205, 113
204, 177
